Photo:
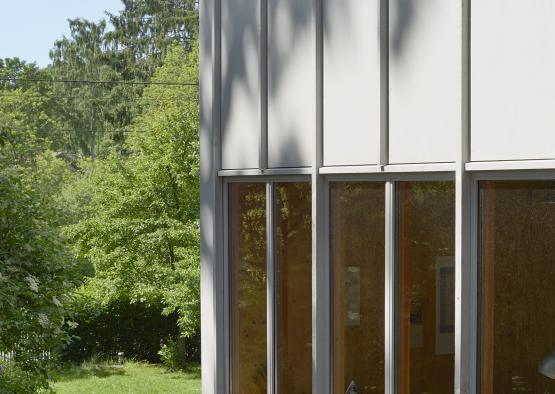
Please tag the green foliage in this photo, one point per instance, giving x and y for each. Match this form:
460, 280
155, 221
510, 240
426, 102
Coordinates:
103, 330
170, 355
95, 225
37, 273
146, 30
132, 50
15, 380
27, 106
87, 109
142, 233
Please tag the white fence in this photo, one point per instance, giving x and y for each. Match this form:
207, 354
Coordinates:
6, 357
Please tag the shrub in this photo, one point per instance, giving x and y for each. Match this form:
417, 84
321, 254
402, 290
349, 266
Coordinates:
104, 330
170, 355
15, 380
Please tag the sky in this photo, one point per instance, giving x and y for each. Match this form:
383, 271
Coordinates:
28, 28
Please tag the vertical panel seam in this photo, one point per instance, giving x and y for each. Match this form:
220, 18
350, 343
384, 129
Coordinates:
263, 80
383, 59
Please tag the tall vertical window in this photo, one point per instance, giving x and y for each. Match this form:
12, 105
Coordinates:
357, 254
426, 292
293, 262
517, 269
247, 261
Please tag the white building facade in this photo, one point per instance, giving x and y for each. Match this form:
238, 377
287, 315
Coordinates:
378, 196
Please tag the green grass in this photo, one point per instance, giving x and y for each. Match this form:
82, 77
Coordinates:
132, 377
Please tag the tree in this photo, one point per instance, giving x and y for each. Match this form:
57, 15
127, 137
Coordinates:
26, 105
89, 109
142, 234
146, 29
37, 271
142, 34
131, 215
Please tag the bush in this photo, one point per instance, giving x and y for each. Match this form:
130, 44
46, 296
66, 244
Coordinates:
177, 354
104, 330
14, 380
192, 348
170, 355
38, 272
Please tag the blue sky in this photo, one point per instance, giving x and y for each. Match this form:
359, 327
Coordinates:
28, 28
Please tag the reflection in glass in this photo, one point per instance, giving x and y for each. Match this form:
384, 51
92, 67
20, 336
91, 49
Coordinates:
294, 287
426, 237
357, 252
247, 236
517, 264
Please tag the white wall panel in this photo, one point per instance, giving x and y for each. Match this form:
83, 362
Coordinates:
240, 115
425, 80
351, 82
513, 80
291, 82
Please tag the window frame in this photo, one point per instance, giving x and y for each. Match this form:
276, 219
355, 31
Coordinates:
271, 323
391, 265
476, 177
330, 268
467, 334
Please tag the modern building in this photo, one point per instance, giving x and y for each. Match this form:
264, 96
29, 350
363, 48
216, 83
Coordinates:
378, 196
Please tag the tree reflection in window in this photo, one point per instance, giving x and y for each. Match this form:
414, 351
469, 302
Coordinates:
247, 260
293, 220
357, 254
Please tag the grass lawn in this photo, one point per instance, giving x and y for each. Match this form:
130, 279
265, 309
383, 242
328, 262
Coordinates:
132, 377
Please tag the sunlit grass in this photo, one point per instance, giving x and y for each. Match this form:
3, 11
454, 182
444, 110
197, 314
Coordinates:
132, 377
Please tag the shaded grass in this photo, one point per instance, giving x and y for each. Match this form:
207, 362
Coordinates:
132, 377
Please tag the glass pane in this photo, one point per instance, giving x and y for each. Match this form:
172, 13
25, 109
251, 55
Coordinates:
357, 253
247, 235
517, 258
426, 237
294, 287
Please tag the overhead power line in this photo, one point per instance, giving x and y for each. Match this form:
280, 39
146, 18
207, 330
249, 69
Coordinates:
122, 131
47, 95
99, 82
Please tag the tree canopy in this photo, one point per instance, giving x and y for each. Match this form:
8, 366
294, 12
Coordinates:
142, 233
99, 184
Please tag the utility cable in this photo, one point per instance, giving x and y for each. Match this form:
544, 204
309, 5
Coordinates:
88, 81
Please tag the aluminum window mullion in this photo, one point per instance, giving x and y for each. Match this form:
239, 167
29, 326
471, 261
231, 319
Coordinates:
465, 231
227, 290
473, 288
321, 288
321, 285
466, 308
270, 287
390, 336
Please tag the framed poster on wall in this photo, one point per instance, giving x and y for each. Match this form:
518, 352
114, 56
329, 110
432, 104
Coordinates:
445, 305
352, 296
